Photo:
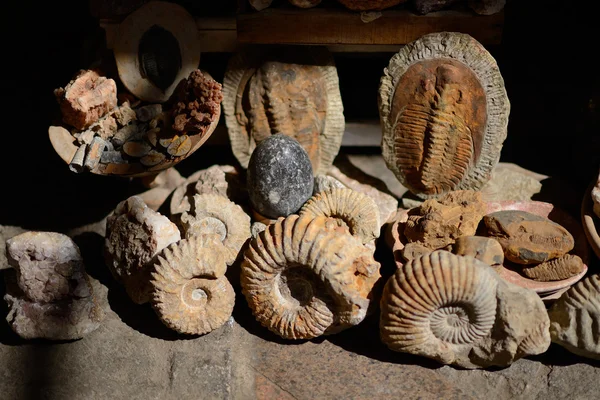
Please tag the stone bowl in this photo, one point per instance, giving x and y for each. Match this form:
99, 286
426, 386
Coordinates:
546, 290
590, 221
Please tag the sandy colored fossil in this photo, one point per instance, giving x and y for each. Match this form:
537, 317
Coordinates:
134, 235
86, 99
302, 280
444, 114
350, 209
457, 310
527, 238
555, 270
293, 93
216, 214
50, 296
438, 223
190, 292
367, 5
574, 318
484, 249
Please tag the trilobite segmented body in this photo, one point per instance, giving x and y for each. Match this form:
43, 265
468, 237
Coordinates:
555, 270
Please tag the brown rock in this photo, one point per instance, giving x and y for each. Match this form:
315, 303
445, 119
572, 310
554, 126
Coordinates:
7, 232
427, 6
124, 114
438, 223
481, 248
86, 99
527, 238
555, 270
366, 5
414, 250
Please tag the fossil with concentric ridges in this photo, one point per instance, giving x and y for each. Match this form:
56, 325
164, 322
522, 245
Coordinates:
444, 113
555, 270
349, 208
575, 318
215, 214
457, 310
190, 292
302, 280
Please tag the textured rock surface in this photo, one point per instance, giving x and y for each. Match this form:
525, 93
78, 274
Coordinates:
527, 238
458, 311
134, 235
555, 270
486, 250
510, 182
50, 295
427, 6
6, 232
280, 177
438, 223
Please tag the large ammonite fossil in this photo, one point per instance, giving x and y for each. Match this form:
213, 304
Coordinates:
444, 114
190, 292
302, 280
295, 93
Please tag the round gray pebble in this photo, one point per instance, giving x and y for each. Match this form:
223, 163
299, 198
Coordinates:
280, 177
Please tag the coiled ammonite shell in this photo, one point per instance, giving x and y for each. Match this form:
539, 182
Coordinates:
354, 210
444, 113
215, 214
574, 318
302, 280
191, 294
293, 93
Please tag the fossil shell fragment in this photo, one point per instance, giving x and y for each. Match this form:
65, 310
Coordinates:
444, 113
190, 292
486, 250
293, 93
354, 210
215, 214
574, 318
157, 46
555, 270
457, 310
302, 280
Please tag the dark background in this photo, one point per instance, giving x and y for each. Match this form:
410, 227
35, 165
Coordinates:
548, 60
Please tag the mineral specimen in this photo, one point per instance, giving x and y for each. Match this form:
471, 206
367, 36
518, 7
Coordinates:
444, 113
457, 310
527, 238
486, 250
280, 177
555, 270
51, 296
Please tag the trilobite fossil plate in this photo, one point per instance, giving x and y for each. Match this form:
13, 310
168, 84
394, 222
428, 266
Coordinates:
444, 113
295, 93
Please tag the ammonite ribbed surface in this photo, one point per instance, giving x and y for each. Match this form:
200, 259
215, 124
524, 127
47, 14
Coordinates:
437, 300
353, 209
215, 214
190, 292
444, 112
302, 280
293, 93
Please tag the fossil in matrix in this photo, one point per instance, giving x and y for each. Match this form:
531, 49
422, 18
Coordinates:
444, 113
574, 318
190, 292
302, 280
49, 295
134, 235
292, 93
555, 270
457, 310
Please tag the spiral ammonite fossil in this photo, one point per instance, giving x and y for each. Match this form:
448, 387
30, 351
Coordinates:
302, 280
444, 112
190, 292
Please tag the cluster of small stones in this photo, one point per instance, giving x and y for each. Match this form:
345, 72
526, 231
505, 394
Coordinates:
109, 131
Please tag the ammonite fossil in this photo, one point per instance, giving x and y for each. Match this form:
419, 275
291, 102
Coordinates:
215, 214
350, 209
444, 113
302, 280
574, 318
190, 292
457, 310
295, 93
157, 46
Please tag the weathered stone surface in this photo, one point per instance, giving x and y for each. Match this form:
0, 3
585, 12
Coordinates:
487, 7
438, 223
366, 5
527, 238
50, 295
486, 250
414, 250
86, 99
510, 182
280, 177
427, 6
555, 270
134, 235
6, 232
457, 310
